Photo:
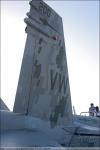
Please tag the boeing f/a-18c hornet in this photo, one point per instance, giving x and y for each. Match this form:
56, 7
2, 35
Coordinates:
42, 114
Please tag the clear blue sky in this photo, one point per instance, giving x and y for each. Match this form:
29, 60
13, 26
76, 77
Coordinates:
81, 30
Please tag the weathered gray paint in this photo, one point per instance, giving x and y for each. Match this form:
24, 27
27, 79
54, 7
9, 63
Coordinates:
43, 93
43, 89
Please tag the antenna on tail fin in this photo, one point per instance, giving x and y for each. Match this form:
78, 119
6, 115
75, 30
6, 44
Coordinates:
43, 89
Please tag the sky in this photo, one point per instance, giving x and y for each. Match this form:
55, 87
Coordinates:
81, 32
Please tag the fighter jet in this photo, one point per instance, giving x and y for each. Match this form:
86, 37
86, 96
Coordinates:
42, 114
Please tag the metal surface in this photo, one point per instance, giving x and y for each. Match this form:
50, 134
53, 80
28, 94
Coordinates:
43, 90
42, 115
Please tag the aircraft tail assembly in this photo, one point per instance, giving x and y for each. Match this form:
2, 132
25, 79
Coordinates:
43, 89
3, 106
42, 115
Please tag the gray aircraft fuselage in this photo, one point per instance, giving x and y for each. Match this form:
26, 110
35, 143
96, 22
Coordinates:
42, 114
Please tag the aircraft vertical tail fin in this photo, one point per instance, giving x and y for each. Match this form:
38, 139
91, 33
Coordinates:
43, 89
3, 106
